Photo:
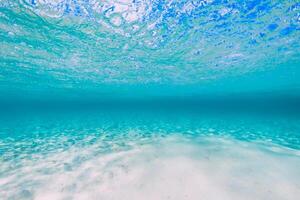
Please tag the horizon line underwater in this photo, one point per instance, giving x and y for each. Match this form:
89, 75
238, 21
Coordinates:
149, 99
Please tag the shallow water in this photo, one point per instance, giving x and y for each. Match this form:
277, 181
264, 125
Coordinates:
146, 155
149, 99
142, 47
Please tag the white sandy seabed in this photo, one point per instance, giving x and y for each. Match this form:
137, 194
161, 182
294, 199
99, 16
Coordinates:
176, 168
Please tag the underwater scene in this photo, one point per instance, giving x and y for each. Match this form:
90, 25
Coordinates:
149, 99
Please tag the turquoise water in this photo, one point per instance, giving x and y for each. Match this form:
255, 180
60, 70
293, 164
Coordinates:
149, 155
150, 99
140, 48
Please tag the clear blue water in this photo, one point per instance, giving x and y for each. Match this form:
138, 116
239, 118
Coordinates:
149, 154
149, 99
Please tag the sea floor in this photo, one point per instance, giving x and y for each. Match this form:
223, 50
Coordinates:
122, 156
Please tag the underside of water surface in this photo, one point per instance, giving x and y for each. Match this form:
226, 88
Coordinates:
149, 99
